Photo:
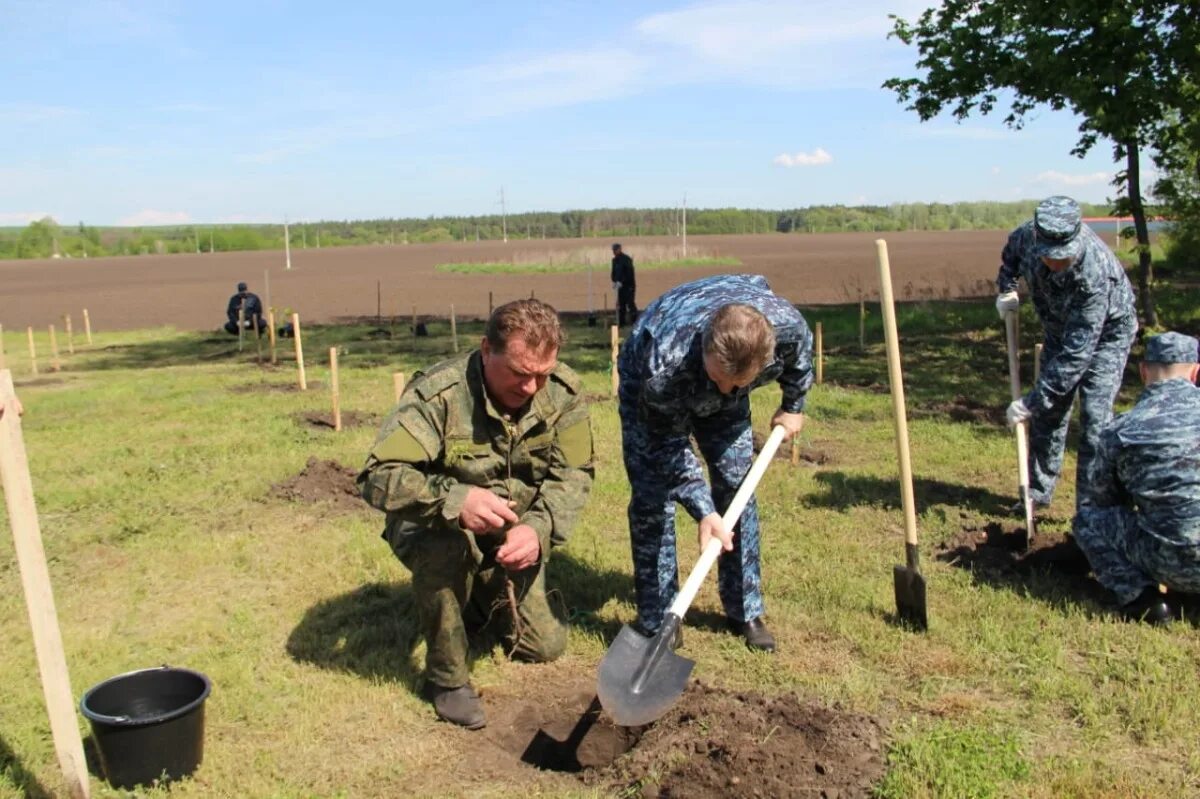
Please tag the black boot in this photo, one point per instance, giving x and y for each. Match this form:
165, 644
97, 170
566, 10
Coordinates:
676, 642
1150, 607
756, 634
459, 706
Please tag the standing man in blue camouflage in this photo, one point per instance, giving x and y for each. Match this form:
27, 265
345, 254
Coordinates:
1141, 526
1086, 307
482, 468
687, 369
624, 280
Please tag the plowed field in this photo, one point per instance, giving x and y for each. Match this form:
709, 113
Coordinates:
325, 285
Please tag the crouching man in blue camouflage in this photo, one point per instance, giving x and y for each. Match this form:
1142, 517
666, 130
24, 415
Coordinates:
482, 468
688, 368
1141, 526
1085, 304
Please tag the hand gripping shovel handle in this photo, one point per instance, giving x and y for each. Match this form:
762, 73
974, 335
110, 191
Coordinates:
683, 599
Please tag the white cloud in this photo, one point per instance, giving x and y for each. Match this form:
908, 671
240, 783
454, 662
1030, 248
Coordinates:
815, 158
10, 219
33, 114
1055, 178
152, 218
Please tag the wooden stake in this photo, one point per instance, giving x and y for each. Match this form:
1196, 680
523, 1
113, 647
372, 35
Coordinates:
70, 334
39, 598
267, 286
271, 335
55, 362
333, 384
490, 306
379, 303
299, 352
87, 327
453, 329
795, 450
820, 356
616, 345
862, 325
257, 342
1037, 361
241, 326
398, 385
32, 352
414, 327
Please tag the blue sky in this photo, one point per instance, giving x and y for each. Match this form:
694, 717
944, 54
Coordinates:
120, 112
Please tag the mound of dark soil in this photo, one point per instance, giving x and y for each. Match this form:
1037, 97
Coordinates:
712, 743
716, 743
349, 419
807, 457
322, 482
965, 409
994, 554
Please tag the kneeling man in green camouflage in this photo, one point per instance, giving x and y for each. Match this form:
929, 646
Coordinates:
482, 469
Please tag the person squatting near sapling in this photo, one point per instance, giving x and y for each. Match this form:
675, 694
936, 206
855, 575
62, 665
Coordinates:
483, 468
251, 312
624, 280
1086, 307
687, 369
1140, 525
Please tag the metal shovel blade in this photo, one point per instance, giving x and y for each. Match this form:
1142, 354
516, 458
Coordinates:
910, 592
640, 678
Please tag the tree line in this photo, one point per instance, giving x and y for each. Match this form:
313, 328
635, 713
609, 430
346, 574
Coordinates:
46, 238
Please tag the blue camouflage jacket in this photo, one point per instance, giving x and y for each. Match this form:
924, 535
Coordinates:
1149, 458
662, 371
1073, 305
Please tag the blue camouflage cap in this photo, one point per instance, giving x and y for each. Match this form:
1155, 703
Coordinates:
1056, 224
1171, 347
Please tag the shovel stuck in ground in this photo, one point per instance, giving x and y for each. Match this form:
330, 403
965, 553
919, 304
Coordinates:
1014, 379
909, 582
641, 677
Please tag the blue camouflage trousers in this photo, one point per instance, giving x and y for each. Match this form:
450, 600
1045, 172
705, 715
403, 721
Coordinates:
1097, 391
726, 444
1127, 560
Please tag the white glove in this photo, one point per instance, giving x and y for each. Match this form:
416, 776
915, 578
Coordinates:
1017, 413
1008, 301
616, 287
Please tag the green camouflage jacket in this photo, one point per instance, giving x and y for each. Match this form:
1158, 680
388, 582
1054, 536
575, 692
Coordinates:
446, 435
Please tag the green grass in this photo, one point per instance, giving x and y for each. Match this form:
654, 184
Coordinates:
152, 454
506, 268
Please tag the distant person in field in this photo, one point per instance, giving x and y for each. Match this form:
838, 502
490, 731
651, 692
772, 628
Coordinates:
1141, 524
252, 311
1085, 303
687, 371
624, 286
482, 468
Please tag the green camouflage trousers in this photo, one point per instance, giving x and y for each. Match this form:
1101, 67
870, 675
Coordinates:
457, 583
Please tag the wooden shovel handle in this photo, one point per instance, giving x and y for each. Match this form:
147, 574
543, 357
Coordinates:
892, 339
1014, 367
39, 599
683, 600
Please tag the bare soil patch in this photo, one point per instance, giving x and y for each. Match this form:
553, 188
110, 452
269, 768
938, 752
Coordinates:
712, 743
282, 388
189, 291
349, 419
966, 409
322, 481
808, 456
994, 553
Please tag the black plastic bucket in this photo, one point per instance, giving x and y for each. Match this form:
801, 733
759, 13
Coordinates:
148, 723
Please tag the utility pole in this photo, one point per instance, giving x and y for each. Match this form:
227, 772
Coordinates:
503, 215
685, 225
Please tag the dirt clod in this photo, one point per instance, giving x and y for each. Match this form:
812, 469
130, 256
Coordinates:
321, 481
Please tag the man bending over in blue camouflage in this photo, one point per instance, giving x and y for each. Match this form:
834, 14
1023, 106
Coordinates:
1085, 304
688, 367
1141, 526
482, 468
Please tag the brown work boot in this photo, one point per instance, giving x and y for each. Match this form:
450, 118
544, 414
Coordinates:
756, 634
459, 706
